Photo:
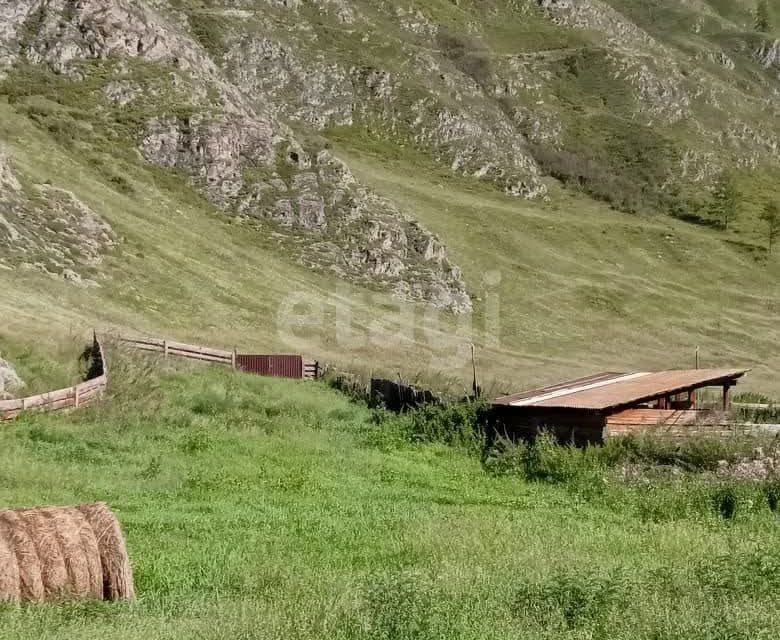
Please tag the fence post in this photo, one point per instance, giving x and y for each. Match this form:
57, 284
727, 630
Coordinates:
76, 396
165, 348
233, 358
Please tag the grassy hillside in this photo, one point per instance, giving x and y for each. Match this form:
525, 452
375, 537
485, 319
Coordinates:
256, 508
434, 108
581, 287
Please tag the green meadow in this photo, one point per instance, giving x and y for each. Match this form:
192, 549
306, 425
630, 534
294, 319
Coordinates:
258, 508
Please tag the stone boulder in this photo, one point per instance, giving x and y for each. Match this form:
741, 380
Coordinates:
10, 382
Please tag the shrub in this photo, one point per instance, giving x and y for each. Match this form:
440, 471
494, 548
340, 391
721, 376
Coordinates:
691, 454
468, 56
666, 501
196, 441
772, 493
546, 460
453, 424
208, 30
572, 599
627, 167
506, 457
549, 461
694, 498
350, 385
724, 501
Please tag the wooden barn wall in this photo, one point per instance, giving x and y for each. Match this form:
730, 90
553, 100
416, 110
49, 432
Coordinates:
579, 427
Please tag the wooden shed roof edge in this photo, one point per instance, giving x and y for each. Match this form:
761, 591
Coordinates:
613, 390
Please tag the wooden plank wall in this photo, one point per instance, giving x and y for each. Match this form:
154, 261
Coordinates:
673, 423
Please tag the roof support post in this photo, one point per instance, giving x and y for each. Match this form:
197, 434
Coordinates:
692, 398
726, 397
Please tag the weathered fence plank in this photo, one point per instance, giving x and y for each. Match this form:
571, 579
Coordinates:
59, 399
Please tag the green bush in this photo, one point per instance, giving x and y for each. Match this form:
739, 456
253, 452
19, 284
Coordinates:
453, 424
506, 457
545, 460
772, 494
549, 461
724, 502
572, 599
468, 56
691, 454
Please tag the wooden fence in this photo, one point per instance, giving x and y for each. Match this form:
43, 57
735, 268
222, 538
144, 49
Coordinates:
193, 352
309, 369
80, 395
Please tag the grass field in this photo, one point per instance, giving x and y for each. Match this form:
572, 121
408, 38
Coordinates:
258, 508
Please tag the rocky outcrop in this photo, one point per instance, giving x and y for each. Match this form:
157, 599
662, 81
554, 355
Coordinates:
598, 16
10, 382
469, 134
65, 32
637, 57
49, 229
233, 147
213, 151
351, 230
241, 97
13, 16
9, 183
768, 55
322, 90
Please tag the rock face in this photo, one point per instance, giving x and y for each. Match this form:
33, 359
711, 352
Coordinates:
768, 55
10, 383
49, 230
232, 145
636, 105
605, 80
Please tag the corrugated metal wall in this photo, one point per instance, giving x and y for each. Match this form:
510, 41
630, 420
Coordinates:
284, 366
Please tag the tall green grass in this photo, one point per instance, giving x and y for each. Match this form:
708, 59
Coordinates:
261, 508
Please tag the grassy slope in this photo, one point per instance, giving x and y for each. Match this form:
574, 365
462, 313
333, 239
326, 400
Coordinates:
582, 287
256, 508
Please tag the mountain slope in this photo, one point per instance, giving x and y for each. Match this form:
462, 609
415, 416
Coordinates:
286, 175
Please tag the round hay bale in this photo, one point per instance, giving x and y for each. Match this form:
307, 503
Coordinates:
117, 573
28, 564
80, 560
90, 553
54, 574
10, 589
51, 553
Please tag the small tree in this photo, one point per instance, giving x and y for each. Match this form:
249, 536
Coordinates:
763, 18
725, 201
771, 215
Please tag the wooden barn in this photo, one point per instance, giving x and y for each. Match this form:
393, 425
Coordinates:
591, 409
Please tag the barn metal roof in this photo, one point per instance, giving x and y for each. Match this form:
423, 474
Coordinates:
611, 390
